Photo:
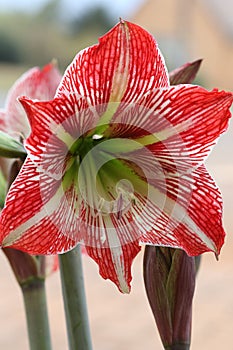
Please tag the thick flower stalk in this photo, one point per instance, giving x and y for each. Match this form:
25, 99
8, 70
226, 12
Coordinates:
115, 160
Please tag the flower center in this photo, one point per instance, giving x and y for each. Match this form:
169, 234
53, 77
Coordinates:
101, 178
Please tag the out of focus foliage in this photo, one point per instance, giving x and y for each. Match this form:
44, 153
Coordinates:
36, 39
9, 49
94, 21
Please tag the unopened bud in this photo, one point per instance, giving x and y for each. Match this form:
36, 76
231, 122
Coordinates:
169, 276
11, 148
184, 74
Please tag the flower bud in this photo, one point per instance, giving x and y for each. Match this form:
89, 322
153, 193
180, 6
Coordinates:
11, 148
184, 74
24, 266
169, 276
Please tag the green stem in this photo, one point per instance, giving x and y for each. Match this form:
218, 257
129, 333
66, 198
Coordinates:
74, 300
36, 313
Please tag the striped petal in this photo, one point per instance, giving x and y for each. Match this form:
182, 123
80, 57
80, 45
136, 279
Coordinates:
195, 119
179, 124
56, 125
30, 219
115, 263
36, 83
123, 66
52, 222
192, 215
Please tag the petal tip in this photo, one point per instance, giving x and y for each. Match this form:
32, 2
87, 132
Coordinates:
125, 289
24, 100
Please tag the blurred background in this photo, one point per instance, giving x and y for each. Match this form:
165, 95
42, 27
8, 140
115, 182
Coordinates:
32, 34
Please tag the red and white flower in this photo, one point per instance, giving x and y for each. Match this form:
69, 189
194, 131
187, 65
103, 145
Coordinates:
115, 160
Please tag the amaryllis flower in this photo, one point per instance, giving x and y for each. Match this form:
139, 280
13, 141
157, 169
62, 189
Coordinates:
115, 160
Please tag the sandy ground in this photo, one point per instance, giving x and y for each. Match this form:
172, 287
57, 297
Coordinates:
125, 321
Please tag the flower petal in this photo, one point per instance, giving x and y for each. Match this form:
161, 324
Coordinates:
115, 263
178, 124
3, 120
195, 119
55, 126
28, 220
50, 222
36, 83
45, 119
123, 66
51, 264
192, 217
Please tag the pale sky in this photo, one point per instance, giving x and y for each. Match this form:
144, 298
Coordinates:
118, 8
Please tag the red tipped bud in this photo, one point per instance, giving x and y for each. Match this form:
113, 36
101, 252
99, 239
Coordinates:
185, 74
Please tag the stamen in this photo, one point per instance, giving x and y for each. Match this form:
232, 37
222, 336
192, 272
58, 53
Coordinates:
119, 207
